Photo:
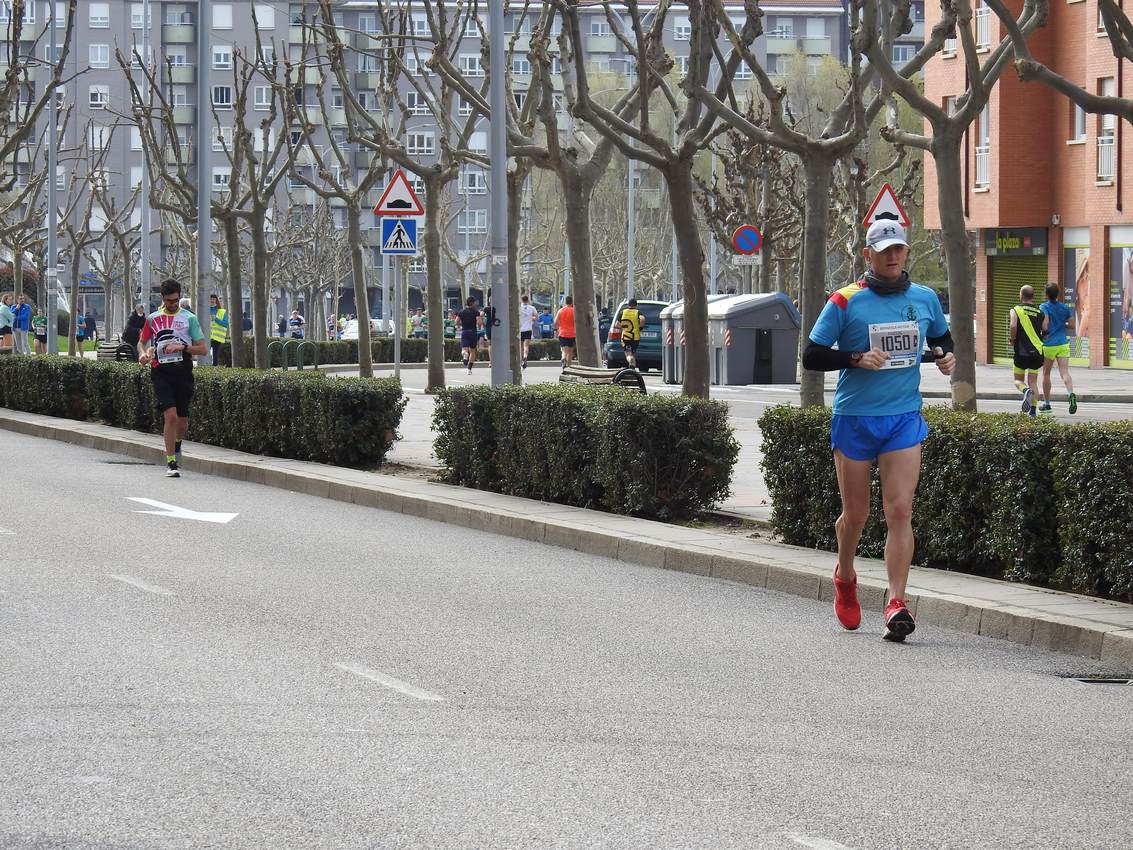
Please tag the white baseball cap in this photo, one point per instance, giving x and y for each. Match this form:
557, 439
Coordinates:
884, 233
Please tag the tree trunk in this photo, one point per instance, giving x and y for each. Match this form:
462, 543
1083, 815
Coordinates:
235, 292
577, 196
690, 253
361, 294
812, 276
434, 294
961, 292
515, 181
71, 346
259, 293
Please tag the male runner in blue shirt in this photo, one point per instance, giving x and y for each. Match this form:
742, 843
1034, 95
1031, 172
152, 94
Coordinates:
880, 325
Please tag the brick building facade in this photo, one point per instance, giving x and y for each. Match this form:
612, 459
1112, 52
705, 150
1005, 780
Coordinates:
1045, 186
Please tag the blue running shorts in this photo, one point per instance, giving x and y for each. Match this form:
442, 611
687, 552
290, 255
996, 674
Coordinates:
866, 437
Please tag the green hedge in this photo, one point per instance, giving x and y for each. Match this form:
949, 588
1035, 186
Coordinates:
339, 351
305, 416
1003, 495
335, 352
659, 457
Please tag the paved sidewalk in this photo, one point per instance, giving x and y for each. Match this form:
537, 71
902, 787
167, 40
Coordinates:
1027, 615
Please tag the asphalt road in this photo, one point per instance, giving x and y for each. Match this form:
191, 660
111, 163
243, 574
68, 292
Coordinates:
314, 674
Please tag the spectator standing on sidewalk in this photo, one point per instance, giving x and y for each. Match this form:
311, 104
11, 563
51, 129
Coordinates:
92, 327
80, 332
6, 318
21, 324
546, 324
1024, 329
218, 328
1056, 345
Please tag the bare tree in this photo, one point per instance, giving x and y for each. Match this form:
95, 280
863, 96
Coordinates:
945, 144
113, 262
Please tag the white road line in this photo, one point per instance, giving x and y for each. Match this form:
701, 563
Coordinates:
141, 585
6, 530
389, 682
815, 843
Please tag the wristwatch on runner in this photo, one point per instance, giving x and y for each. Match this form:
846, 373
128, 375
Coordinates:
856, 357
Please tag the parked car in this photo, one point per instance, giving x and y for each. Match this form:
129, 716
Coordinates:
378, 327
649, 351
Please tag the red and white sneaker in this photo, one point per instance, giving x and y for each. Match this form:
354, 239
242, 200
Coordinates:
898, 621
846, 605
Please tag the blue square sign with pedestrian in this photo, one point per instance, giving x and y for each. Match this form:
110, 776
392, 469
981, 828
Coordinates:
399, 236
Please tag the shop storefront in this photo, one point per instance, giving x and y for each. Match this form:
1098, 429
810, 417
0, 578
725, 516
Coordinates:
1119, 314
1016, 258
1076, 291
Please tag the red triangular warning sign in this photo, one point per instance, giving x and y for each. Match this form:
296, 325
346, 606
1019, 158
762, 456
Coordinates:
886, 205
398, 198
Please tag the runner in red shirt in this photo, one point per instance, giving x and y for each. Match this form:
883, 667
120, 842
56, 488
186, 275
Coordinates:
564, 324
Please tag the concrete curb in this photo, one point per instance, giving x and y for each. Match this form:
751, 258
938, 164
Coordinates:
1065, 623
1084, 398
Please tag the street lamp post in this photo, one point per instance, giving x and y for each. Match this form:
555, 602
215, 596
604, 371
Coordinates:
143, 272
52, 270
204, 188
501, 324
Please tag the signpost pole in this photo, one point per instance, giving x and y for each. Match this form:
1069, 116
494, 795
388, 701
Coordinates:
396, 264
497, 270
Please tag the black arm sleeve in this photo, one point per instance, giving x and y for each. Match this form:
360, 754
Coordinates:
820, 358
944, 343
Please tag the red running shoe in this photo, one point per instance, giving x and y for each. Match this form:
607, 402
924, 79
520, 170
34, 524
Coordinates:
898, 621
846, 604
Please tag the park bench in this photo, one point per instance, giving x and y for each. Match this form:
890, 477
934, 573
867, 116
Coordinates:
629, 379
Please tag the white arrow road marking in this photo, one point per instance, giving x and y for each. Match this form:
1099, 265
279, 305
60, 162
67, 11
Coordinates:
181, 513
141, 585
815, 843
389, 682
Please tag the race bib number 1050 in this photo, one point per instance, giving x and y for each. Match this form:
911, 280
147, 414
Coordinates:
900, 340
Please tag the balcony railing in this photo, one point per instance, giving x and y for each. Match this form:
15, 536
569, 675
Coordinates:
1105, 157
983, 165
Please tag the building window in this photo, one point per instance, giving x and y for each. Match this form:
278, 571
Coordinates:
472, 222
99, 15
464, 109
337, 99
416, 103
682, 31
782, 28
265, 16
743, 72
135, 139
136, 12
1077, 123
983, 148
520, 66
99, 137
600, 26
682, 65
473, 182
100, 97
470, 65
221, 175
419, 144
176, 56
222, 97
368, 23
420, 24
983, 26
179, 96
223, 139
222, 57
815, 28
222, 16
99, 55
776, 65
520, 98
813, 63
1107, 128
903, 53
367, 62
471, 29
175, 16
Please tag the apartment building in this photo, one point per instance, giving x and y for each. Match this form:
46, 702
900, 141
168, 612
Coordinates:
1044, 184
99, 93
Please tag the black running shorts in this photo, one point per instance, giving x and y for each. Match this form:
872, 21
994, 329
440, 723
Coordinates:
173, 389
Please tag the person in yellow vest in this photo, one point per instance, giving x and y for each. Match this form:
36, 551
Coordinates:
1024, 329
631, 322
218, 330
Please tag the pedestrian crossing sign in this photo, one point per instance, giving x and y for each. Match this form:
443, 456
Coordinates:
399, 236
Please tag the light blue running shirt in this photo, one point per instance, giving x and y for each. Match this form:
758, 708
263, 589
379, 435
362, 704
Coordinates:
901, 324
